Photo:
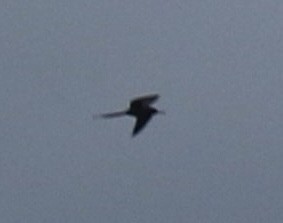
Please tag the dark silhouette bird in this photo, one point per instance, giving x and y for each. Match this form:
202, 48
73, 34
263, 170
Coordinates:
140, 109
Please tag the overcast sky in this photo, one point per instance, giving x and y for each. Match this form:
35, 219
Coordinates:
217, 154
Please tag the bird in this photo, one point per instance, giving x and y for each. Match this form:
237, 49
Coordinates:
141, 109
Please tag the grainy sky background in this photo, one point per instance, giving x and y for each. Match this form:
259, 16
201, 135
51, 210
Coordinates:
217, 155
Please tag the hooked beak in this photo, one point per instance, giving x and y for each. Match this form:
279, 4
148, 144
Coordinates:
161, 112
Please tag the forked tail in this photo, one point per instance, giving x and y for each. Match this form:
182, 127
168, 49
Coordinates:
110, 115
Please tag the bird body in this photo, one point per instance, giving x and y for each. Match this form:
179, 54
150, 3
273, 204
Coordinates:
140, 109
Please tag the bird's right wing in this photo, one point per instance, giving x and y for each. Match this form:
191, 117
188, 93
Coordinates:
145, 100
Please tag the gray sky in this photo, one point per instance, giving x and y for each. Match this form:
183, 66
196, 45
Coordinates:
215, 157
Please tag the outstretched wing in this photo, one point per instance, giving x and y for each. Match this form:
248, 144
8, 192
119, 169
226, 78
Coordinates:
144, 100
141, 123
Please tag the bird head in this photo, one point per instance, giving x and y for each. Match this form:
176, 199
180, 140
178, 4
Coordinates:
155, 111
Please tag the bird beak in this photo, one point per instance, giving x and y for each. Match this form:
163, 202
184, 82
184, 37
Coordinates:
161, 112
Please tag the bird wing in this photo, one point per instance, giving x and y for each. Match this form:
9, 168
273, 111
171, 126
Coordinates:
141, 123
144, 100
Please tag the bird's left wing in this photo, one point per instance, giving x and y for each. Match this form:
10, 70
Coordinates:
141, 123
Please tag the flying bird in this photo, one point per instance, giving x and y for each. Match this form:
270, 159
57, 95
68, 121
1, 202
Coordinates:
141, 109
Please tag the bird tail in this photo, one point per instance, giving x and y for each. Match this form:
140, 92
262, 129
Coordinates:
110, 115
